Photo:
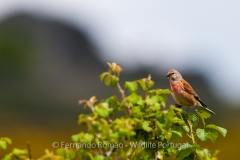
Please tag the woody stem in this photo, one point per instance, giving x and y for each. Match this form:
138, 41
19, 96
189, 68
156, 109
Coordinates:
191, 130
123, 98
182, 127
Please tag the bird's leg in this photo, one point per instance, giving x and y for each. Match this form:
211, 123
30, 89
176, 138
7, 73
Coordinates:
187, 109
178, 106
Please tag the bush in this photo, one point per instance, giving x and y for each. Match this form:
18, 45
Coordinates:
147, 129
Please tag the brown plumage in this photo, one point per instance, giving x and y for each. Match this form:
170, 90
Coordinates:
183, 93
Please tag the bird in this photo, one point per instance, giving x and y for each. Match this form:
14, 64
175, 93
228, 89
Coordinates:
183, 93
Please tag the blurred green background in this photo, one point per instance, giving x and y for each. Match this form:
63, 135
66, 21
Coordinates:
47, 65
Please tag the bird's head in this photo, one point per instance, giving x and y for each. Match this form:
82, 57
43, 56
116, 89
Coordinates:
174, 75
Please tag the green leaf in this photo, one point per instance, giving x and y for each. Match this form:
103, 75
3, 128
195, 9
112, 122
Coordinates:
3, 144
178, 121
163, 104
114, 135
176, 109
176, 135
208, 153
8, 140
215, 153
136, 112
101, 77
102, 109
131, 86
114, 80
113, 104
4, 141
8, 156
194, 119
146, 127
211, 134
19, 151
190, 157
168, 135
186, 128
88, 137
221, 130
150, 84
176, 132
85, 137
61, 152
203, 114
75, 138
204, 134
152, 100
133, 98
156, 106
107, 80
162, 91
143, 84
201, 134
185, 152
203, 154
150, 115
184, 115
71, 154
99, 157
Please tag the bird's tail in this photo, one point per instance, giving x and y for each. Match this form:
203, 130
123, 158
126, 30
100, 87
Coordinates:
203, 104
209, 110
205, 107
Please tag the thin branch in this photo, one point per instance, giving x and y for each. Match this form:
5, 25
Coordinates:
109, 152
181, 126
29, 150
155, 155
191, 130
198, 141
123, 98
186, 132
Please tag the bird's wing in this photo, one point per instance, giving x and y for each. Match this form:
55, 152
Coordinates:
186, 86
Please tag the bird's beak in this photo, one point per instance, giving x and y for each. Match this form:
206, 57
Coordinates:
167, 75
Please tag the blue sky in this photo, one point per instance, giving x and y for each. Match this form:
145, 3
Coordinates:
196, 35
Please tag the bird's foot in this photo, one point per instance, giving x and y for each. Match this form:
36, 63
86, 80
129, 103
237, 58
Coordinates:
178, 106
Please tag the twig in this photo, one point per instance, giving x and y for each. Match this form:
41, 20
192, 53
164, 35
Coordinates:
109, 152
198, 141
186, 132
155, 155
181, 126
191, 130
29, 150
123, 98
